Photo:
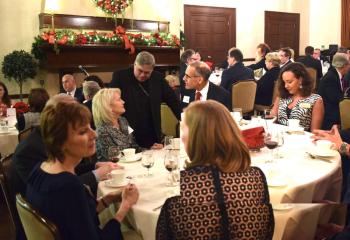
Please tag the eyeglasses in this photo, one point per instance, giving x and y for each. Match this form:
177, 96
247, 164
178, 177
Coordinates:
187, 76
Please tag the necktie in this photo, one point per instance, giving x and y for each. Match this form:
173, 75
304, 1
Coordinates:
343, 83
198, 96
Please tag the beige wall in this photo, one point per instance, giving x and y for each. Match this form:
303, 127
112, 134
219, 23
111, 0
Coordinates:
19, 26
315, 20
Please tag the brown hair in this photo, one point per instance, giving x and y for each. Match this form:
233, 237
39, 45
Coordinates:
55, 120
37, 99
214, 138
299, 71
6, 98
265, 49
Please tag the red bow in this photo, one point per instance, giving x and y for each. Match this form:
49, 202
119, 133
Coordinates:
128, 45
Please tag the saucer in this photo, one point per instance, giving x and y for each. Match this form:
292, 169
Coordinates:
111, 183
134, 158
282, 206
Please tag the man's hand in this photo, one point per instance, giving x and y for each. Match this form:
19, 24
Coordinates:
332, 135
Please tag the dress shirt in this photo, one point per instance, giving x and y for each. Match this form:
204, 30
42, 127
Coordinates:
204, 92
71, 93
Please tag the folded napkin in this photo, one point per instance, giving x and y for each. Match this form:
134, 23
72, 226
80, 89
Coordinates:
254, 137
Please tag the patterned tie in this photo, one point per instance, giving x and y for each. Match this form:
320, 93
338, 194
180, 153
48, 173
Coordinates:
343, 83
198, 96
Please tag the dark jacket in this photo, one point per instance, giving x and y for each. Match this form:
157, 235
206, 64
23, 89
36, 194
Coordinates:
265, 86
214, 93
234, 74
330, 91
309, 61
79, 95
258, 65
135, 96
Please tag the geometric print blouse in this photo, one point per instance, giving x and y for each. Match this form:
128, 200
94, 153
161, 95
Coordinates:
302, 111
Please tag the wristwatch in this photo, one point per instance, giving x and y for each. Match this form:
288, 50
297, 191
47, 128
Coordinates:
343, 148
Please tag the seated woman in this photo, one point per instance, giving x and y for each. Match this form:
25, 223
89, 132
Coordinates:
37, 99
296, 100
222, 196
112, 129
266, 84
55, 190
5, 100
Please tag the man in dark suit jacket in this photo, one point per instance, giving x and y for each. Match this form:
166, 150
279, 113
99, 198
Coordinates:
143, 91
285, 55
332, 91
197, 78
309, 61
236, 72
70, 87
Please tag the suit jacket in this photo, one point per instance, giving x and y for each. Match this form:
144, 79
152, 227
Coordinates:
79, 95
330, 91
309, 61
159, 91
265, 86
214, 93
88, 104
234, 74
31, 151
258, 65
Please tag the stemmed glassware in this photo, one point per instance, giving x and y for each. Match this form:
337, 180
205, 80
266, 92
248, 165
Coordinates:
280, 141
171, 163
167, 142
114, 153
147, 160
237, 115
271, 142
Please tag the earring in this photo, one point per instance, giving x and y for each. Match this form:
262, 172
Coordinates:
301, 86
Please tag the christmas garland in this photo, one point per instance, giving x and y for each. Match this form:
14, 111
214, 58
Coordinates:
113, 7
119, 37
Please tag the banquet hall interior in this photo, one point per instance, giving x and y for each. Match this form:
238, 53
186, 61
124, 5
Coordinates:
246, 55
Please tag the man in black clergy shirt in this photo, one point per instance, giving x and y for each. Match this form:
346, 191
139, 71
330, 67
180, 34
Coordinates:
143, 91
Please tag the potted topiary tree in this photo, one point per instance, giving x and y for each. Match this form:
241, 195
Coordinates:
19, 65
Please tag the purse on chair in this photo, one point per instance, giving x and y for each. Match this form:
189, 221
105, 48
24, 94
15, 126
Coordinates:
254, 137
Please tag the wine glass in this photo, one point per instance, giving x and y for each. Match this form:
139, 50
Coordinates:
237, 115
114, 153
171, 162
271, 143
147, 160
217, 71
280, 142
167, 142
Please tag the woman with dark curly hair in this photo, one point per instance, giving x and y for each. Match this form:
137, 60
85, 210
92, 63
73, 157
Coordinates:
296, 100
5, 100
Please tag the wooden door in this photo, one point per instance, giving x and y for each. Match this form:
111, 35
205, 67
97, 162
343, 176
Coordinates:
210, 30
282, 30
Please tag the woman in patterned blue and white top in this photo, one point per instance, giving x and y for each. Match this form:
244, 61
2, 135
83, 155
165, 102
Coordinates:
296, 100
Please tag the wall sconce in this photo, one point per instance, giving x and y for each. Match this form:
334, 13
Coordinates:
51, 6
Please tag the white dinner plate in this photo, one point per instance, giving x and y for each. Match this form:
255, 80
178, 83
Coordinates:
282, 206
111, 183
322, 153
278, 182
134, 158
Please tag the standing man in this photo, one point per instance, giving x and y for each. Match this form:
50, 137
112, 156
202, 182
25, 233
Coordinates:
143, 91
70, 87
197, 78
332, 88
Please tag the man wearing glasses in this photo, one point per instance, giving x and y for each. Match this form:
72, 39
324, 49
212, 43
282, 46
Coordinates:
143, 91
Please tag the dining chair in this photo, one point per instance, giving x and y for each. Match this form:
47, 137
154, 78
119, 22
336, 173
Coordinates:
169, 123
313, 74
243, 95
344, 107
24, 133
35, 225
5, 164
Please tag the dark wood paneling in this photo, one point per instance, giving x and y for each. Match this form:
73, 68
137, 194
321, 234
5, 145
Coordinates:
100, 23
282, 30
210, 30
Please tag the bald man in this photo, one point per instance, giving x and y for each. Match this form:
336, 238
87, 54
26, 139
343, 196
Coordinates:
70, 87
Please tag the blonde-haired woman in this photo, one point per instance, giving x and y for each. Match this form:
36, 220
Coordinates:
112, 129
222, 196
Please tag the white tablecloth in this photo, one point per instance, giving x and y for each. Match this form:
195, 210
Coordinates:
307, 180
8, 141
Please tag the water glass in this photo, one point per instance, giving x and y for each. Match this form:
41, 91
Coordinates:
147, 160
168, 142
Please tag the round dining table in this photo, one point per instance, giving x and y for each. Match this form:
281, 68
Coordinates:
293, 177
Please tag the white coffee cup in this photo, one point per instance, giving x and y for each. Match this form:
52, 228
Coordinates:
129, 152
116, 176
324, 145
175, 143
293, 123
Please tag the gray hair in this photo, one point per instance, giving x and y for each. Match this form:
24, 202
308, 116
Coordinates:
61, 97
201, 69
340, 60
145, 58
90, 88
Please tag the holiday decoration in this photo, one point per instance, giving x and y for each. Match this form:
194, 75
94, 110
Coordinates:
113, 7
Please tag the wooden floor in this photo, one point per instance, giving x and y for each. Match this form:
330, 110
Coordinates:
6, 229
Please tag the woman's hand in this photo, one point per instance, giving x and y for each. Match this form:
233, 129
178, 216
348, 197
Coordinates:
103, 168
113, 197
130, 196
156, 146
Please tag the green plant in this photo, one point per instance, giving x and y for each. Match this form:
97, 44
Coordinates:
19, 65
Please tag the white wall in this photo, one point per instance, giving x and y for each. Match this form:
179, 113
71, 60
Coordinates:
314, 30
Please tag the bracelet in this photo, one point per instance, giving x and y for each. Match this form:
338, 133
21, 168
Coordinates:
104, 203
